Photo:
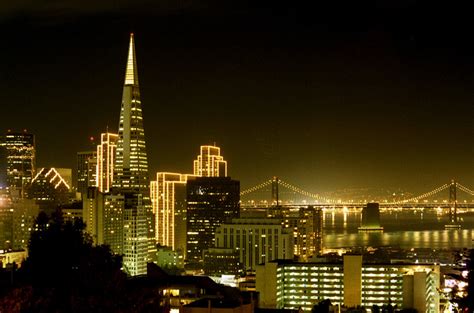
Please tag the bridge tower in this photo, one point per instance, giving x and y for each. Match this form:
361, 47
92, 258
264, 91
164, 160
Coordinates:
453, 212
275, 192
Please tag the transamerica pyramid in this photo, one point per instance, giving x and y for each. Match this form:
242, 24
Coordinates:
131, 165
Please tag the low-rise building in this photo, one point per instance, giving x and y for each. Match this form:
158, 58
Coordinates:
291, 285
219, 305
222, 261
10, 257
168, 258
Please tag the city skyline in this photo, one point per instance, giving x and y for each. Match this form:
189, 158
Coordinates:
330, 114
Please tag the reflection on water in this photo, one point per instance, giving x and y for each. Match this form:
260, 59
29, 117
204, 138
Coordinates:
412, 229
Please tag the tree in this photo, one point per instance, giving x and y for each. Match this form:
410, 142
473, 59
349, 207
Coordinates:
322, 306
65, 273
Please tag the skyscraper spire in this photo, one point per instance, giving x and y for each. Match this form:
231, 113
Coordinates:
131, 164
131, 174
131, 75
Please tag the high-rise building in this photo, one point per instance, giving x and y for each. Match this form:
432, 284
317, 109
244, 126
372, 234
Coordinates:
49, 188
256, 240
210, 163
20, 154
6, 220
136, 243
105, 161
24, 213
309, 233
168, 198
93, 214
131, 164
17, 216
86, 170
104, 218
131, 174
211, 201
305, 223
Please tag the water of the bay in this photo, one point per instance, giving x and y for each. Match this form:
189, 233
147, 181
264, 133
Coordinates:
407, 229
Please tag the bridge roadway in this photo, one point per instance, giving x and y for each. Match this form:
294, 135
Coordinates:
405, 206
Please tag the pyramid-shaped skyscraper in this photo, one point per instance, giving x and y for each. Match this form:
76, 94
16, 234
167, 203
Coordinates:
131, 165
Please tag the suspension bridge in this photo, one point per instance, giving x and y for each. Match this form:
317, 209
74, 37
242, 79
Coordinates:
424, 200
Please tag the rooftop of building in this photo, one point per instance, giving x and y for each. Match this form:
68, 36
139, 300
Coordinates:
323, 262
157, 278
215, 303
261, 310
255, 221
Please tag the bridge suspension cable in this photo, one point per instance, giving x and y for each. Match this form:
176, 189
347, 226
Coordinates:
326, 200
255, 188
465, 189
424, 195
303, 192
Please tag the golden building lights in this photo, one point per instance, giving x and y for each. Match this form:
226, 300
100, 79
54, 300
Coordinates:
210, 163
105, 161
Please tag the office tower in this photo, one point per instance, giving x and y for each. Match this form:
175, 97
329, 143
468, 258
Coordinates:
131, 174
306, 224
256, 240
135, 235
6, 220
49, 189
210, 163
131, 164
105, 161
65, 174
168, 198
86, 170
24, 213
72, 212
17, 216
20, 153
211, 201
3, 164
93, 214
309, 233
103, 215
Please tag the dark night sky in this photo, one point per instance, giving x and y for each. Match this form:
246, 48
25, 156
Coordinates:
325, 96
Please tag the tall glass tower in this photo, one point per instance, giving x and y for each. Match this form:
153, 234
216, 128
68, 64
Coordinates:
131, 164
131, 175
20, 156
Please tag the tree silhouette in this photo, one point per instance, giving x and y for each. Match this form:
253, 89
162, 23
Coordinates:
322, 306
64, 272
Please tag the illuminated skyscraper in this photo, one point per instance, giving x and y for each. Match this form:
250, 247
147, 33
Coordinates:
256, 241
131, 164
86, 170
131, 174
168, 197
105, 161
210, 163
20, 154
211, 201
50, 188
